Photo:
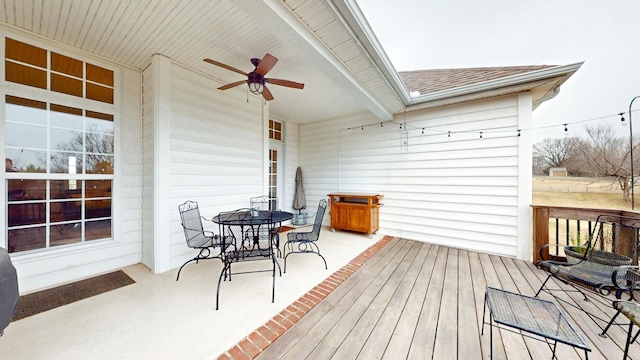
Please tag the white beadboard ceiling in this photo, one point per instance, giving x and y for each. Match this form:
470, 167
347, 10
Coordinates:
309, 38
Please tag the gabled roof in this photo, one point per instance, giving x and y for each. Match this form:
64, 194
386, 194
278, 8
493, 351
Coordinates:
430, 81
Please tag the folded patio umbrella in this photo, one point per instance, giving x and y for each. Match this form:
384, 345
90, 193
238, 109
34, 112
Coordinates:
299, 200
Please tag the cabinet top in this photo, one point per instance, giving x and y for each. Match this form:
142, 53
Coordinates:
355, 194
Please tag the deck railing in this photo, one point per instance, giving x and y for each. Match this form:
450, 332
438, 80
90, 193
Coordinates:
560, 226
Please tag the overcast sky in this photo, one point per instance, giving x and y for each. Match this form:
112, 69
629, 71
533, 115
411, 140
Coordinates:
437, 34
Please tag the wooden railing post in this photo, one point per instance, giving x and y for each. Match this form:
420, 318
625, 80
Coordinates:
540, 230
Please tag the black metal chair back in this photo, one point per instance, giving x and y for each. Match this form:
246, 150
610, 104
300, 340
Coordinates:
306, 242
195, 235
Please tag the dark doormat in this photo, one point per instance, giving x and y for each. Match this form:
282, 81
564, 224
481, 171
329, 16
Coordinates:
44, 300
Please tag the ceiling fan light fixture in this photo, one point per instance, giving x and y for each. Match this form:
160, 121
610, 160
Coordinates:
256, 88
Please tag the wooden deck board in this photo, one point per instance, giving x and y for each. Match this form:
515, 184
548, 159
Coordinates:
421, 301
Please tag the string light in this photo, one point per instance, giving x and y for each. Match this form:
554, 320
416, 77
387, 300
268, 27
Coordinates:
480, 134
407, 127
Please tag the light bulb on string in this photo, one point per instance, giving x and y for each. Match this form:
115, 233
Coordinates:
480, 134
566, 131
449, 134
519, 132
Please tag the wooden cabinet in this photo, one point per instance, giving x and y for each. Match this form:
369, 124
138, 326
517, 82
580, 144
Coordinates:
355, 212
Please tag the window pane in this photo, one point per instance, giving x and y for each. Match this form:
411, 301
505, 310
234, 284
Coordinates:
66, 117
99, 75
27, 239
66, 85
97, 209
99, 143
100, 229
65, 211
26, 160
99, 122
98, 188
26, 214
66, 189
25, 110
25, 53
99, 164
25, 136
66, 65
25, 190
68, 140
100, 93
26, 75
63, 234
66, 163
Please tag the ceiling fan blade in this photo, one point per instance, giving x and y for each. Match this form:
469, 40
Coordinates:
225, 66
266, 64
287, 83
266, 94
234, 84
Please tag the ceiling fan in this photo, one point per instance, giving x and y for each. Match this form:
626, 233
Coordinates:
255, 80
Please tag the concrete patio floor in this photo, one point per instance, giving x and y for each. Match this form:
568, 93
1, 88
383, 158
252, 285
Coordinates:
159, 318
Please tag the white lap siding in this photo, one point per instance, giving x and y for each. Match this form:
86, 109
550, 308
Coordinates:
217, 155
458, 190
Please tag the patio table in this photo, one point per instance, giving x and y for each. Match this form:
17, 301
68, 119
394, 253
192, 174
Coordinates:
249, 235
533, 315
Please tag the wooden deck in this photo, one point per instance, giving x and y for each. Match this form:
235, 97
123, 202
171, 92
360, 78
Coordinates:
413, 300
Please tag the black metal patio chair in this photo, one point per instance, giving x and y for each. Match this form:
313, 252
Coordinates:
601, 267
195, 235
306, 242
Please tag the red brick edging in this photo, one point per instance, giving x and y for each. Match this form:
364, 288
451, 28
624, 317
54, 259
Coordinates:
262, 337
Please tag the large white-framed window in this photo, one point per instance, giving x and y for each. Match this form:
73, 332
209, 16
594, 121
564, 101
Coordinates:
59, 118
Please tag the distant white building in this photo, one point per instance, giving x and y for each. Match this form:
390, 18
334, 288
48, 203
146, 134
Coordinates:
558, 171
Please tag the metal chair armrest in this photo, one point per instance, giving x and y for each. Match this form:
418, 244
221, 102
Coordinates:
626, 277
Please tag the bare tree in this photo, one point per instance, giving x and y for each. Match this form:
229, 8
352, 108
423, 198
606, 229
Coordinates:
556, 152
607, 155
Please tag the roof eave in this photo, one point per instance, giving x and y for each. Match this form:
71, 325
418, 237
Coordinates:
529, 77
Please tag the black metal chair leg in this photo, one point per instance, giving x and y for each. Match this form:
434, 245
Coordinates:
604, 332
225, 268
626, 347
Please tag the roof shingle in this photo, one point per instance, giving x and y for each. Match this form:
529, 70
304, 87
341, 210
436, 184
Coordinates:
430, 81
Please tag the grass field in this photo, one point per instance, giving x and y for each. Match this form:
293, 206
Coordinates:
578, 192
